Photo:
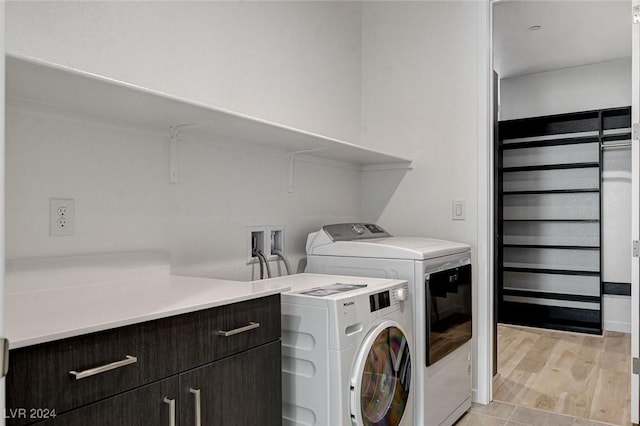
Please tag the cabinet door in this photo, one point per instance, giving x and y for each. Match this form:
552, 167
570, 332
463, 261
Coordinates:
143, 406
244, 389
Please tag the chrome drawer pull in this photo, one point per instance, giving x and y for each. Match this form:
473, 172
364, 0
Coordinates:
112, 366
251, 326
172, 410
196, 395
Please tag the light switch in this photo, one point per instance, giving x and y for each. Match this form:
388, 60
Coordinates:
458, 210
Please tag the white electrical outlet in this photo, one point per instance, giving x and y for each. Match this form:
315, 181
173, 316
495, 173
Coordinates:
61, 217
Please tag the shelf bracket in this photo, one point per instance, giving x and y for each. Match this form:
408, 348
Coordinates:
173, 154
292, 162
173, 149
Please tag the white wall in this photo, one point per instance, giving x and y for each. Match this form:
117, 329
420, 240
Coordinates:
420, 96
409, 68
418, 91
124, 202
589, 87
295, 63
616, 234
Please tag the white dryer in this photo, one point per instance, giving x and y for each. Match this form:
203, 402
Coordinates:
439, 277
346, 351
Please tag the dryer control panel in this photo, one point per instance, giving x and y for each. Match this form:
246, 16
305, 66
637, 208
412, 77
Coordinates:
354, 231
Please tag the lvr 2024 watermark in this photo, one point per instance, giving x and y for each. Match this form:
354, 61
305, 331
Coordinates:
29, 413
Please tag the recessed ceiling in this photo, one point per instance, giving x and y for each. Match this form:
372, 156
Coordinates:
571, 33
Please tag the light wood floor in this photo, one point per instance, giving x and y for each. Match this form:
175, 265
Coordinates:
573, 374
503, 414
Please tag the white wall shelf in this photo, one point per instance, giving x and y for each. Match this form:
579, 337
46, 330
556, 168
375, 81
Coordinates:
52, 85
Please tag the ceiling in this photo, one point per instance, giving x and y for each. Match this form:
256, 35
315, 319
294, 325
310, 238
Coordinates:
572, 33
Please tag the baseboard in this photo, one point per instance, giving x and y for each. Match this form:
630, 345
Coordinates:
622, 327
616, 311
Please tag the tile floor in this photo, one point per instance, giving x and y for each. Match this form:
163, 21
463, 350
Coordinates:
504, 414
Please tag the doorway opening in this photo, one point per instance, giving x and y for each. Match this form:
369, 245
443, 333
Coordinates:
563, 207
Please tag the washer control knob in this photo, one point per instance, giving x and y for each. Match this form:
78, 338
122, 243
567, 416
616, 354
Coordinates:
357, 228
401, 294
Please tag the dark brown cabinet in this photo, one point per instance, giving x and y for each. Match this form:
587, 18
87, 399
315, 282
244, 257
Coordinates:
40, 377
222, 362
235, 391
142, 406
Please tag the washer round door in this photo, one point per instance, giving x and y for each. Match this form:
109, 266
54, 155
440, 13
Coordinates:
381, 377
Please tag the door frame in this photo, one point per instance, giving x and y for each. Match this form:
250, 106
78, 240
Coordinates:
635, 216
483, 356
2, 195
486, 213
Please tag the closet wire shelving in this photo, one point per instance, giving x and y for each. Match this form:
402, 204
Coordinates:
549, 257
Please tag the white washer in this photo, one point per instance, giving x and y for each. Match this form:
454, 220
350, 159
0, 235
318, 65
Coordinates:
439, 277
346, 351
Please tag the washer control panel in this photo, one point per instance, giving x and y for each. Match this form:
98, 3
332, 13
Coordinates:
402, 294
388, 298
380, 300
354, 231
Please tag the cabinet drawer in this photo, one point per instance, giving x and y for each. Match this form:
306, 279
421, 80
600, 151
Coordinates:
40, 376
200, 339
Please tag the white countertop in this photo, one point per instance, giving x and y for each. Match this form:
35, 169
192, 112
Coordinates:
34, 317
